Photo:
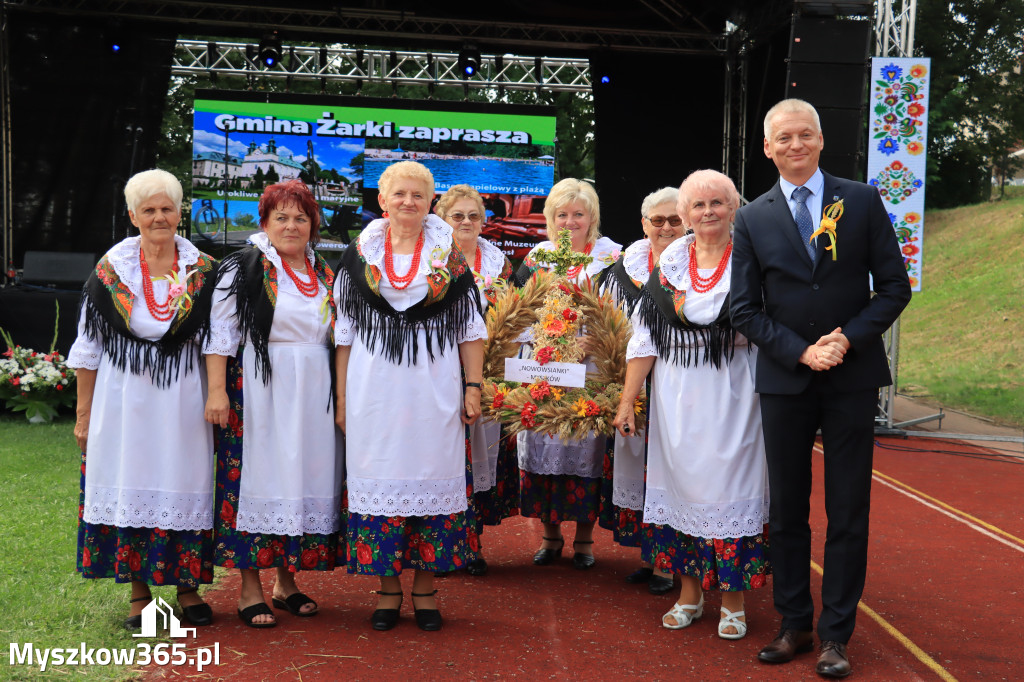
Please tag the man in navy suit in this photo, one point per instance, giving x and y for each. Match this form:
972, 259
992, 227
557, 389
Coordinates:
820, 362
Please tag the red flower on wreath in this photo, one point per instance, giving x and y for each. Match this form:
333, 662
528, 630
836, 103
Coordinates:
569, 314
499, 400
540, 390
545, 355
309, 559
264, 557
363, 553
592, 409
528, 414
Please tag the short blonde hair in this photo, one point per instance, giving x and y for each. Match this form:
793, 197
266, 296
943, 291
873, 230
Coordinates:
704, 180
409, 170
147, 184
565, 192
454, 194
790, 106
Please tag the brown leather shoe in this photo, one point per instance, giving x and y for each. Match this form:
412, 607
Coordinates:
832, 660
788, 644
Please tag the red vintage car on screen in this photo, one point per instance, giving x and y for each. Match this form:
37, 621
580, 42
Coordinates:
515, 223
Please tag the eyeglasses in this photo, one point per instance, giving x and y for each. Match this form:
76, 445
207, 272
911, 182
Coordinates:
459, 217
659, 220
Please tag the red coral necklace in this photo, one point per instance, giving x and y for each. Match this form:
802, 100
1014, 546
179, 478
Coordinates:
389, 263
478, 260
308, 289
575, 270
701, 284
159, 311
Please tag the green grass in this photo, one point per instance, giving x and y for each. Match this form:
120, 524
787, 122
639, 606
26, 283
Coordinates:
962, 336
43, 600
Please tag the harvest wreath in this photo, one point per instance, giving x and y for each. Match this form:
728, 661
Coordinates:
556, 308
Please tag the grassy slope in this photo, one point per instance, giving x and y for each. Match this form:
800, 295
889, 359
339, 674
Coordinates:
43, 599
962, 336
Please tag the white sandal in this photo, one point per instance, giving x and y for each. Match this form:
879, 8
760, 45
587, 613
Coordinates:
682, 615
732, 619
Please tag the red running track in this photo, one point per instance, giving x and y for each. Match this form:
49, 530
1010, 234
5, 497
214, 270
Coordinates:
944, 588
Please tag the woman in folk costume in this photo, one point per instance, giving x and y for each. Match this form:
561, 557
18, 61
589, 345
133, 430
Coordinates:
495, 465
146, 506
408, 326
622, 487
279, 472
561, 481
706, 501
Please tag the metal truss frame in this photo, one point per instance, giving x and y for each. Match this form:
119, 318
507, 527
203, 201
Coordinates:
894, 37
397, 67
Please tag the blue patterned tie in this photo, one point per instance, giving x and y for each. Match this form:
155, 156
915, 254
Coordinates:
803, 219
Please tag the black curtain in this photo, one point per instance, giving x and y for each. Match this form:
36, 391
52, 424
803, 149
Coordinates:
84, 117
656, 119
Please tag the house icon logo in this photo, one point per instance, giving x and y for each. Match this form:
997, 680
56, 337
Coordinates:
159, 609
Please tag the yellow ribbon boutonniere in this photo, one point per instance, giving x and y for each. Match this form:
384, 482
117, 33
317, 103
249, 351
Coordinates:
829, 217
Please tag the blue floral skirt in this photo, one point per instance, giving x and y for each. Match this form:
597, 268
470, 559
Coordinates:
554, 499
242, 549
439, 543
502, 501
625, 524
729, 564
150, 555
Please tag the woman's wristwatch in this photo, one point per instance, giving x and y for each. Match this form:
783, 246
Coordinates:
474, 384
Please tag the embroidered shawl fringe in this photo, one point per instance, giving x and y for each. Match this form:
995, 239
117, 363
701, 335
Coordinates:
620, 285
685, 343
395, 332
162, 359
253, 309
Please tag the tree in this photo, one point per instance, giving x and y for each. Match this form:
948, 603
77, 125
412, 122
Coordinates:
977, 98
272, 176
257, 180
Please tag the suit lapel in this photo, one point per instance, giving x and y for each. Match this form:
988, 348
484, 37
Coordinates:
830, 189
779, 207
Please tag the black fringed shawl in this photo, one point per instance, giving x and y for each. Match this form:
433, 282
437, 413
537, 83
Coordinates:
677, 339
255, 292
623, 287
395, 332
108, 302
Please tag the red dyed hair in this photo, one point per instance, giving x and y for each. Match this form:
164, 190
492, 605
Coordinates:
291, 192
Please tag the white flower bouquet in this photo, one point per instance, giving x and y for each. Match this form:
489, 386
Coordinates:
35, 383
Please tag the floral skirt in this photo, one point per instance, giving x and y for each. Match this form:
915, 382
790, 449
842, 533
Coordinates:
385, 546
554, 499
624, 523
729, 565
242, 549
150, 555
502, 501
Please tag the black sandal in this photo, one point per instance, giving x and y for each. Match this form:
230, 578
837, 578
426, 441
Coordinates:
385, 619
135, 622
249, 613
582, 562
292, 603
543, 557
427, 619
197, 614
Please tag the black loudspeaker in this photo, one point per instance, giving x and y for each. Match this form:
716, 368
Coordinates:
58, 268
828, 67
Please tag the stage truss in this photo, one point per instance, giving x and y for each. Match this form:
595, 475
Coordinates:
396, 67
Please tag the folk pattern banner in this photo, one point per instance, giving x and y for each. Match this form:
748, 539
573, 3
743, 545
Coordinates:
897, 155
